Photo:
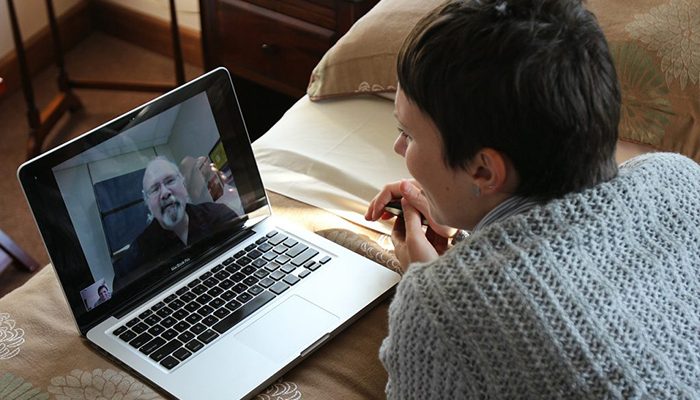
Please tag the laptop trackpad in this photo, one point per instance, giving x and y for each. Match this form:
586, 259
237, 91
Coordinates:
288, 329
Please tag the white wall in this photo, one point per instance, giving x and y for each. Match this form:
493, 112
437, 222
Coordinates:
32, 16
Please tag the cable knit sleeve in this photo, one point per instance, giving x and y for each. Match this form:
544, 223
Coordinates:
419, 361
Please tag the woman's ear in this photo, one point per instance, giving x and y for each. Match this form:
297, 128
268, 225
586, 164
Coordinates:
492, 171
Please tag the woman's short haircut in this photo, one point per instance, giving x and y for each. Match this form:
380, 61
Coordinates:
533, 79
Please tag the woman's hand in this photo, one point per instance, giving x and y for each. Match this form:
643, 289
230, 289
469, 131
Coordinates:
411, 242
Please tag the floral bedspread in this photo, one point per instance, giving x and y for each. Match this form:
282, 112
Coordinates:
43, 356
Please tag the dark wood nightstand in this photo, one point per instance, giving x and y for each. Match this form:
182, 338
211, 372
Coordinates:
271, 47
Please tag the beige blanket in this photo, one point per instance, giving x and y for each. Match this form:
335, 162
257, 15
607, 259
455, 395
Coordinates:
42, 355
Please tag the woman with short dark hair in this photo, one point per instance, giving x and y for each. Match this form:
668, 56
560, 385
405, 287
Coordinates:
578, 279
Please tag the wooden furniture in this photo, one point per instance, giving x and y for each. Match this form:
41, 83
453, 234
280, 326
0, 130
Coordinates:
41, 122
9, 250
271, 47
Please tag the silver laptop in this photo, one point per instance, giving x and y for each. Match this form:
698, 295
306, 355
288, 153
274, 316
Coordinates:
161, 234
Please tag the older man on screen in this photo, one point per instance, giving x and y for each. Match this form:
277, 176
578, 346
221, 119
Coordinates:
174, 221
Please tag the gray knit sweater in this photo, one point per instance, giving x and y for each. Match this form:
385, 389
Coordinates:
595, 295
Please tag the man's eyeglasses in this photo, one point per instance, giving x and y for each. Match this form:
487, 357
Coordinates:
169, 182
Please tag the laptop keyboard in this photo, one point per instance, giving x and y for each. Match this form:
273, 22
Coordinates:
183, 323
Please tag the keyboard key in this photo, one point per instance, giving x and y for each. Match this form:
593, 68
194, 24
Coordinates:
266, 282
232, 305
181, 354
205, 310
277, 275
158, 306
288, 268
197, 328
127, 336
207, 336
290, 242
255, 290
314, 266
283, 259
228, 295
221, 275
169, 362
194, 345
182, 290
210, 282
175, 304
239, 254
296, 250
164, 312
132, 322
280, 249
255, 253
261, 273
226, 284
250, 247
269, 256
169, 334
261, 240
192, 307
304, 273
222, 312
181, 326
170, 298
259, 263
203, 299
187, 297
291, 279
217, 268
199, 289
210, 320
205, 275
216, 303
272, 266
119, 330
250, 281
185, 337
193, 318
271, 234
325, 259
241, 313
139, 328
168, 322
240, 288
304, 256
249, 269
244, 297
149, 347
165, 350
277, 239
193, 283
141, 339
265, 247
279, 287
145, 314
156, 330
180, 314
227, 261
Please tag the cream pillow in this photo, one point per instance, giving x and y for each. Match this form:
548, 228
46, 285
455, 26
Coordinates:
655, 45
364, 59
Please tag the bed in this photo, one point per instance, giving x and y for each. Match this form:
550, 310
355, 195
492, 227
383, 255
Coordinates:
322, 163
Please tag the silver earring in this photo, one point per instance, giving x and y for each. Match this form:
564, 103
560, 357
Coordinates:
476, 190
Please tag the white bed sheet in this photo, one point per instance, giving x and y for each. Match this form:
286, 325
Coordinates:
335, 154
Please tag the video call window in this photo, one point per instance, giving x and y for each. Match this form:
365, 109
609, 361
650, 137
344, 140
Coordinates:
129, 196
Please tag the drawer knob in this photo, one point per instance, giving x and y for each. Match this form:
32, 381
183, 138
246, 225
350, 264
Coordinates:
268, 48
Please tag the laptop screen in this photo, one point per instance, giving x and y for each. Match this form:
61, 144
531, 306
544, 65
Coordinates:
146, 197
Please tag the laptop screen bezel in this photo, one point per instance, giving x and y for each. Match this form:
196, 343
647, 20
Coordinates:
56, 227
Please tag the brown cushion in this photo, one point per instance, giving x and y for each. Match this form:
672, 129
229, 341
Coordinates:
655, 44
364, 59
